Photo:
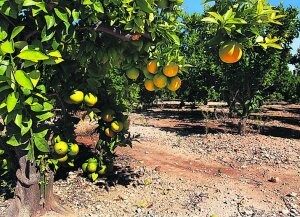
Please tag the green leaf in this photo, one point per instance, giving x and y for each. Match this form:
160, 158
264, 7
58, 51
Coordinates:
228, 14
236, 21
50, 21
16, 31
217, 16
62, 16
23, 79
18, 120
45, 116
13, 141
11, 101
55, 53
87, 2
20, 44
41, 143
145, 6
94, 176
29, 3
36, 107
7, 47
274, 45
32, 55
174, 38
209, 20
98, 7
47, 106
35, 77
3, 35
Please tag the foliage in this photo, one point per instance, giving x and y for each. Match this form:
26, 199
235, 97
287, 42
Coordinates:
49, 49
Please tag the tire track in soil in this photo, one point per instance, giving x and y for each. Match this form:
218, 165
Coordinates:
252, 181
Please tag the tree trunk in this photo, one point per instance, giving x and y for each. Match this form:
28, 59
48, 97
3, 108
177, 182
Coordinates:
242, 126
28, 201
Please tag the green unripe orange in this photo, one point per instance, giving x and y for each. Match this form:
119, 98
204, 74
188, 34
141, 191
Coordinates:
61, 148
132, 73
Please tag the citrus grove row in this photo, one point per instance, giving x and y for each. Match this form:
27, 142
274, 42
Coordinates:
62, 62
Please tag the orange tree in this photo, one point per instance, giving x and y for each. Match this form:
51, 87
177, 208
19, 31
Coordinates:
65, 60
239, 32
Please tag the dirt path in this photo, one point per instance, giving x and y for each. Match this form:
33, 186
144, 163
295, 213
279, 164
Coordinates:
225, 183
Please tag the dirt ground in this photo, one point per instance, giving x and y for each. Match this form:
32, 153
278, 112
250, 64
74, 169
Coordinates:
191, 162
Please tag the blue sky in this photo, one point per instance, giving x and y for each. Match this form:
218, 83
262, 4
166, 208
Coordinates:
196, 6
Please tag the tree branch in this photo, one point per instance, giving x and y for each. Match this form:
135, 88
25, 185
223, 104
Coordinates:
115, 32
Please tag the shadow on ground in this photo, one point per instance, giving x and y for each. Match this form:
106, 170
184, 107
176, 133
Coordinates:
198, 122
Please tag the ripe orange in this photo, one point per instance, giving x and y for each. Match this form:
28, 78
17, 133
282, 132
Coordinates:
174, 83
230, 52
152, 66
171, 70
149, 85
135, 37
116, 126
90, 99
109, 133
108, 115
61, 148
132, 73
76, 97
160, 80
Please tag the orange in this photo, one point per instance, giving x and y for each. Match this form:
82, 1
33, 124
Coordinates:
152, 66
102, 170
160, 80
76, 97
149, 85
230, 52
132, 73
171, 70
174, 83
62, 159
90, 99
147, 74
84, 165
116, 126
108, 115
135, 37
74, 149
91, 167
61, 148
109, 133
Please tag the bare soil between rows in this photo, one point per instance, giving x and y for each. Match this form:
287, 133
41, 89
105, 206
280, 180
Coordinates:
191, 162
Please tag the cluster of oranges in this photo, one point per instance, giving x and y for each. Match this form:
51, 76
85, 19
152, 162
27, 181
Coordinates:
63, 150
168, 78
113, 125
94, 168
155, 79
77, 97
